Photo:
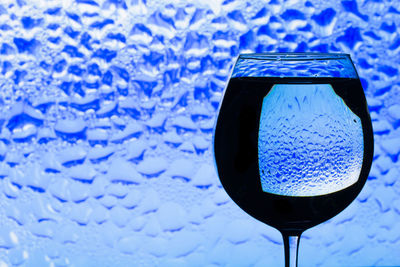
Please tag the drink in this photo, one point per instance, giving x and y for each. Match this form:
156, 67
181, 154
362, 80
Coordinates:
242, 153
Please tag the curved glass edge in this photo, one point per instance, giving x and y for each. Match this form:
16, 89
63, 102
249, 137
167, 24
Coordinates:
325, 65
295, 56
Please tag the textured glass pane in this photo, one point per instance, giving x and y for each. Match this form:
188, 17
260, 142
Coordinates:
106, 115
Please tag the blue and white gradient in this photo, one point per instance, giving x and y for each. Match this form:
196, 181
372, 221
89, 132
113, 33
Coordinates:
107, 110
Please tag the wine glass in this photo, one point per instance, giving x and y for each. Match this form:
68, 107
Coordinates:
293, 142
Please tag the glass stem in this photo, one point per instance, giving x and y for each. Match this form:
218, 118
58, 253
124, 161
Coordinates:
291, 243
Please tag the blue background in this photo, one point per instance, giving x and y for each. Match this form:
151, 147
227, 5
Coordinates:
107, 110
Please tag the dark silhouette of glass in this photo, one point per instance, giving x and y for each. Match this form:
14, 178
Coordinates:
293, 142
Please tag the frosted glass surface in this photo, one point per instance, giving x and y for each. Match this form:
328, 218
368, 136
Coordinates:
309, 143
106, 115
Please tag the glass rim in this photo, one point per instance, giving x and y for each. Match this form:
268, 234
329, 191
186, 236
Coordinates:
294, 56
